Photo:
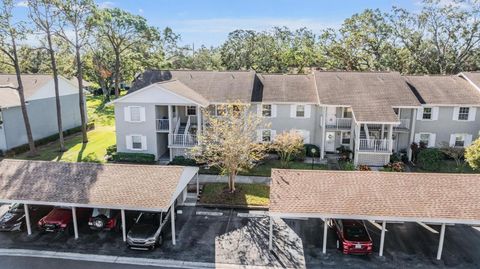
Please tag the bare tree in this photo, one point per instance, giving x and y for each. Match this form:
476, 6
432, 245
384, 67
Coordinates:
456, 153
76, 17
10, 32
230, 142
43, 14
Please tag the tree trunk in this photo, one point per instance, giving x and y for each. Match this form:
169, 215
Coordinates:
117, 74
231, 182
57, 92
80, 95
26, 120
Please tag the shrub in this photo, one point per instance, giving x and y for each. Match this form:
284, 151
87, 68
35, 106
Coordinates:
289, 146
344, 153
308, 150
348, 166
472, 155
111, 150
395, 167
429, 159
91, 158
143, 158
180, 160
364, 167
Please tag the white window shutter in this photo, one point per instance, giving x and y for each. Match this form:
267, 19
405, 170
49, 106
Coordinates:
127, 114
417, 138
259, 110
468, 140
434, 113
144, 142
274, 111
142, 114
259, 135
472, 113
455, 113
452, 140
293, 111
431, 140
308, 111
420, 113
273, 133
128, 141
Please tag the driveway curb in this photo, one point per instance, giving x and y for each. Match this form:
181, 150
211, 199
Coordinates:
104, 258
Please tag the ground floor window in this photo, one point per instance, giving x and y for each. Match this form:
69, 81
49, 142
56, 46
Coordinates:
266, 135
346, 136
459, 140
136, 142
425, 139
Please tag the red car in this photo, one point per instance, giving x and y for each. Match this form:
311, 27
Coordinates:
353, 236
105, 219
60, 219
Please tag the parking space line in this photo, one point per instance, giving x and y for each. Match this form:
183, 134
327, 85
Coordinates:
427, 227
209, 213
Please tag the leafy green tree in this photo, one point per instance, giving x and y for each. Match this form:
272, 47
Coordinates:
472, 155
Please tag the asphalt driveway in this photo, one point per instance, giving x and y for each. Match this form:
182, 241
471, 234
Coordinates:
225, 237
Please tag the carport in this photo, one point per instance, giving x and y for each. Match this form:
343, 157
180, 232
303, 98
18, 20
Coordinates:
378, 197
122, 187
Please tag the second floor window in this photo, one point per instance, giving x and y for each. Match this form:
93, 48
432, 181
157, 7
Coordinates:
427, 113
266, 110
463, 113
135, 114
300, 112
347, 113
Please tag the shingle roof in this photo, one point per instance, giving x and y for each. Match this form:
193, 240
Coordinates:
215, 86
288, 88
372, 95
377, 195
181, 89
444, 90
8, 87
142, 187
474, 77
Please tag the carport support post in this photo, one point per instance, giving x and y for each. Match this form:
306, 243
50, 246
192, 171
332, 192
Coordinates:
440, 244
27, 219
270, 235
124, 226
198, 186
382, 238
325, 231
75, 224
172, 212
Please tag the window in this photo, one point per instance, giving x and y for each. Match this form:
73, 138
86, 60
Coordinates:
300, 112
346, 138
347, 113
463, 113
191, 110
425, 139
459, 140
266, 135
266, 110
136, 142
135, 114
427, 113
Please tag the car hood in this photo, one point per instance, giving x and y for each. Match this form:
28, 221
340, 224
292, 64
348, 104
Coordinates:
58, 216
9, 218
142, 231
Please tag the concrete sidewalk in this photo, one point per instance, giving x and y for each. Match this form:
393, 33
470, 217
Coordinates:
202, 178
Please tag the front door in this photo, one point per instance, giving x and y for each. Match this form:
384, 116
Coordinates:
330, 141
331, 116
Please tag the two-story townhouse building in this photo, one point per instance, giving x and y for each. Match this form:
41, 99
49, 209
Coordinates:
372, 113
449, 113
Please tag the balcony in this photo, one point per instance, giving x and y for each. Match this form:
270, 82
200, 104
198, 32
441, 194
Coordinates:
162, 125
339, 123
404, 125
182, 140
375, 145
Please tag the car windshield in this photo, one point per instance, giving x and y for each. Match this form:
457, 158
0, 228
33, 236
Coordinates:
101, 211
356, 233
16, 208
149, 218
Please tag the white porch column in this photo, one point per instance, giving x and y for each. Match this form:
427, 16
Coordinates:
357, 143
412, 133
382, 238
170, 118
124, 226
324, 118
390, 137
172, 214
270, 235
27, 219
382, 134
352, 135
199, 125
440, 244
325, 232
198, 186
75, 224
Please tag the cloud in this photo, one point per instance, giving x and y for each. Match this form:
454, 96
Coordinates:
106, 4
140, 11
227, 25
22, 4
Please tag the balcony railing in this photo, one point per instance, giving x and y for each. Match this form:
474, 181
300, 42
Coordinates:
162, 125
340, 123
182, 140
375, 145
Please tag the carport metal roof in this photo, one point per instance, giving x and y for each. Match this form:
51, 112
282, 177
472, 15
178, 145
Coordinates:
386, 196
114, 186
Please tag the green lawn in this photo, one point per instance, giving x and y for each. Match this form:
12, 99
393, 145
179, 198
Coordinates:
100, 138
245, 194
448, 166
265, 169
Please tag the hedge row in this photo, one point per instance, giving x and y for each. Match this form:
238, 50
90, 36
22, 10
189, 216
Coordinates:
25, 147
127, 157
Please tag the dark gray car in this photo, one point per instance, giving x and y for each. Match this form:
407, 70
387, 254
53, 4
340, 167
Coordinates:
146, 232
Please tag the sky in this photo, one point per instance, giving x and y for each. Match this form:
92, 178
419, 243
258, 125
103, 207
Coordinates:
208, 22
